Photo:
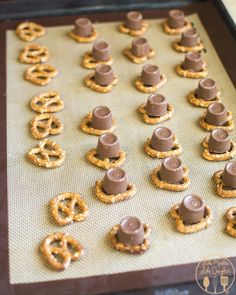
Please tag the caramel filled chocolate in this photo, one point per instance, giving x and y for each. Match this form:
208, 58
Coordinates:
216, 114
176, 19
140, 47
103, 75
229, 175
83, 27
162, 139
108, 146
192, 209
193, 62
219, 141
131, 231
150, 75
171, 170
134, 20
207, 89
190, 38
115, 181
156, 105
101, 51
101, 118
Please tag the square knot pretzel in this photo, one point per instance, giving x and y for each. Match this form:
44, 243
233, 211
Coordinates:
82, 39
48, 102
222, 190
45, 124
190, 74
176, 31
48, 154
90, 83
136, 59
68, 207
228, 126
231, 221
155, 120
29, 31
90, 63
34, 54
149, 89
40, 74
134, 33
180, 48
200, 102
60, 249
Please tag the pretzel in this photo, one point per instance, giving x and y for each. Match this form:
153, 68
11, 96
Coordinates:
231, 221
63, 208
34, 54
136, 59
180, 48
200, 102
137, 249
89, 82
149, 89
222, 190
48, 154
134, 33
176, 31
175, 151
228, 126
90, 63
59, 256
178, 187
47, 102
111, 199
29, 31
45, 124
191, 228
81, 39
155, 120
40, 74
86, 126
190, 74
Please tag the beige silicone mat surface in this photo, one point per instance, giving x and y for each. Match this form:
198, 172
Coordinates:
30, 188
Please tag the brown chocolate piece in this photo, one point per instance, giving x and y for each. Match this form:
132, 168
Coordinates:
171, 170
156, 105
206, 89
101, 118
140, 47
83, 27
150, 75
115, 181
101, 51
108, 146
162, 139
134, 20
229, 174
103, 75
176, 19
192, 209
131, 231
190, 38
219, 141
193, 62
216, 114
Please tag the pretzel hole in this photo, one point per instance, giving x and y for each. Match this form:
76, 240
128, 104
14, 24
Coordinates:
58, 257
32, 49
55, 243
40, 156
77, 209
54, 125
71, 248
62, 213
42, 77
53, 158
40, 129
48, 147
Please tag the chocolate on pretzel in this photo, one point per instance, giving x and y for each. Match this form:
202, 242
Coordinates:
134, 24
176, 23
189, 42
83, 31
231, 221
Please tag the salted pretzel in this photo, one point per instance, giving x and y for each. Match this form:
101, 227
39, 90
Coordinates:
191, 228
222, 190
47, 154
40, 74
191, 74
137, 249
200, 102
136, 59
90, 63
47, 102
64, 208
34, 54
134, 33
231, 221
29, 31
81, 39
90, 83
176, 31
228, 126
181, 48
45, 124
66, 250
149, 89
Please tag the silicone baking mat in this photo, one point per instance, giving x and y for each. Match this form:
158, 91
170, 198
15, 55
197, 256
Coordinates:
30, 188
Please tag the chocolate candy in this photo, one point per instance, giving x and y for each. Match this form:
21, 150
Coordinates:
83, 27
150, 75
162, 139
140, 47
176, 19
229, 174
101, 118
190, 38
115, 181
216, 114
103, 75
219, 141
131, 231
192, 209
156, 105
101, 51
207, 89
171, 170
108, 146
134, 20
193, 62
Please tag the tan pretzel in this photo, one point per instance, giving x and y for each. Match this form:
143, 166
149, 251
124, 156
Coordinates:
139, 249
180, 48
134, 33
86, 126
178, 187
190, 74
171, 31
34, 54
231, 221
175, 151
222, 190
135, 59
29, 31
155, 120
111, 199
228, 126
48, 154
63, 208
40, 74
90, 63
47, 102
149, 89
60, 249
89, 82
81, 39
191, 228
200, 102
